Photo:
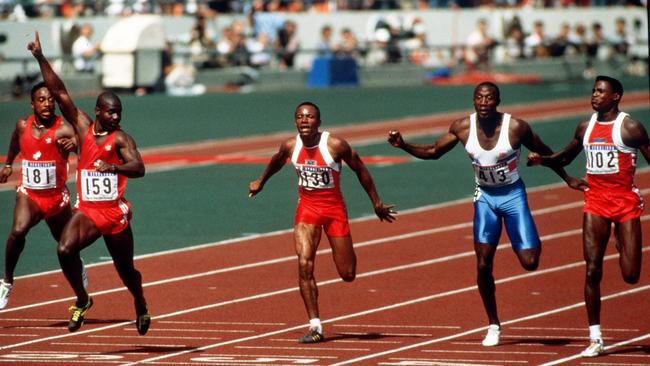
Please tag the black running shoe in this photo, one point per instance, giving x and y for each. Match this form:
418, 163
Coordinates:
142, 322
77, 315
312, 337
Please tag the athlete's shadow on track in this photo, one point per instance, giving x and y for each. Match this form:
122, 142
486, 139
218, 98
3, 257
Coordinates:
89, 321
628, 349
536, 341
152, 349
365, 336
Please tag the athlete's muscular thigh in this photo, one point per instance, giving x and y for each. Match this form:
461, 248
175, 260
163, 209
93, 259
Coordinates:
595, 235
306, 238
628, 235
78, 233
26, 214
344, 257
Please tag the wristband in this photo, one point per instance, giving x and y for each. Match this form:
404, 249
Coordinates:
8, 166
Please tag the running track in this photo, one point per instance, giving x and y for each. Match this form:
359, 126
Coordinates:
414, 301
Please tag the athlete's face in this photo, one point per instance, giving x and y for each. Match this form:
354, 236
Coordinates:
307, 120
43, 105
109, 114
486, 100
603, 97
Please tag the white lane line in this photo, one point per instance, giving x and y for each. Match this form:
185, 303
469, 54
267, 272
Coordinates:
607, 330
86, 344
607, 349
401, 304
151, 337
503, 246
447, 361
487, 352
397, 326
518, 320
542, 188
283, 291
218, 323
291, 258
304, 348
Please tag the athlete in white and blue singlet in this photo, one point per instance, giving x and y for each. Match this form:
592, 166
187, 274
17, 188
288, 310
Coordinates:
493, 141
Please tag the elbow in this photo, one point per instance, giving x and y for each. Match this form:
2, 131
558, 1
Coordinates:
140, 171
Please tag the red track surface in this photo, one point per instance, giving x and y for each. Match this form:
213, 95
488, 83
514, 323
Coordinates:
414, 301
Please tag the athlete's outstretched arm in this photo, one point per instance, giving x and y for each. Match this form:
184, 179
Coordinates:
341, 148
534, 143
14, 150
53, 82
275, 164
562, 157
427, 151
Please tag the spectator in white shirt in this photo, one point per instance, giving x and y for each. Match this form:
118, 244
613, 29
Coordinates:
84, 51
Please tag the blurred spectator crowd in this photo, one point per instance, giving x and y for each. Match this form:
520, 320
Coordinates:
20, 9
267, 37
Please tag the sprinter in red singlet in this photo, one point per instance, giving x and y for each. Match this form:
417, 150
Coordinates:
610, 140
107, 156
317, 158
44, 141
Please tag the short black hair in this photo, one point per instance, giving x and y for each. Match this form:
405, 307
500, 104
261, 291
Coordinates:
616, 85
36, 87
489, 84
311, 105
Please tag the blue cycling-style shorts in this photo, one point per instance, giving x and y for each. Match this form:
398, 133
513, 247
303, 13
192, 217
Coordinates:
510, 204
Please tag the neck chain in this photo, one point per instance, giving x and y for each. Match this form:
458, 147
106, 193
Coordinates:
38, 125
99, 133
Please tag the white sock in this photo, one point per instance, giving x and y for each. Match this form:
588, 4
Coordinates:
316, 324
494, 327
594, 332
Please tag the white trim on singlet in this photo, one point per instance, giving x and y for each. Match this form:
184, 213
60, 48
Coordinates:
322, 146
503, 143
616, 132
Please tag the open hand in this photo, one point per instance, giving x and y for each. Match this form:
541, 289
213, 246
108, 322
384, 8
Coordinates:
385, 212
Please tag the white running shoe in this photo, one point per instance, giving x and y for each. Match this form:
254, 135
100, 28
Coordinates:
84, 274
595, 349
5, 291
492, 336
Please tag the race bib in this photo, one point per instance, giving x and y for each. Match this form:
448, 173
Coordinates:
97, 186
39, 174
495, 175
602, 159
315, 177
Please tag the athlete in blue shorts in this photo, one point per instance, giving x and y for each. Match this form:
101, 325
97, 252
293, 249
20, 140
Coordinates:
493, 141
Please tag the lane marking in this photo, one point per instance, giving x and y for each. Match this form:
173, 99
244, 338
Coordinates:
410, 302
513, 321
436, 230
415, 210
323, 283
608, 348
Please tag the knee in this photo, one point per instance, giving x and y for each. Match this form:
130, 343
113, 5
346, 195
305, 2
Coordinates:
484, 268
65, 248
530, 264
631, 276
305, 268
349, 276
18, 231
594, 273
